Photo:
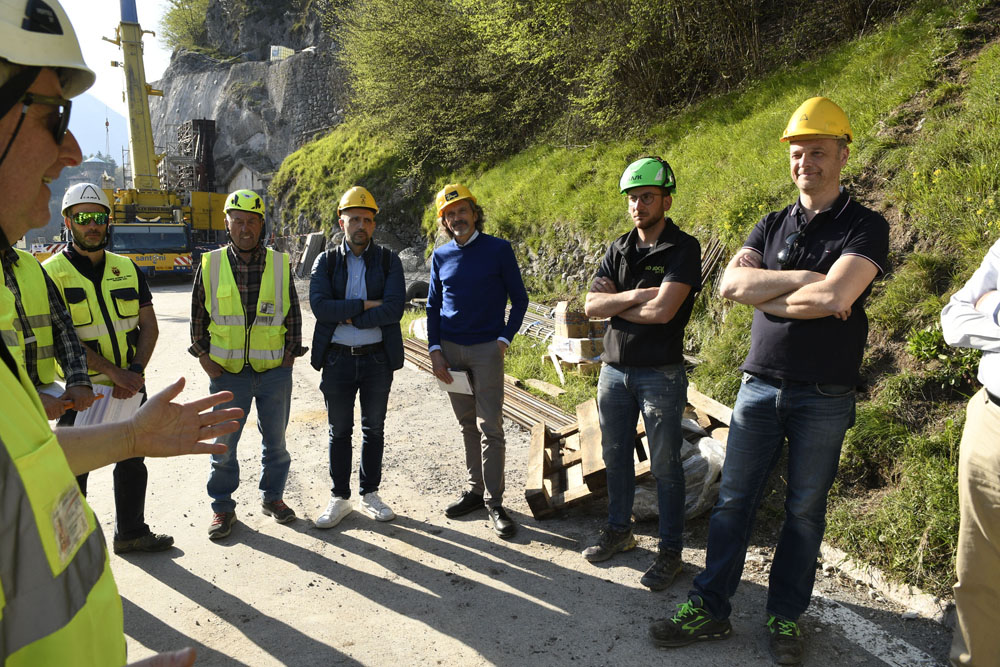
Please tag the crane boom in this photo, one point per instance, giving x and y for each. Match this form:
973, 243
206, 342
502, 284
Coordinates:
137, 91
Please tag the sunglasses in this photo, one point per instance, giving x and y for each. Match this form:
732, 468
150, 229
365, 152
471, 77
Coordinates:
98, 218
58, 120
789, 255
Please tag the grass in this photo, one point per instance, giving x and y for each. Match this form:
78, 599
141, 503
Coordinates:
926, 152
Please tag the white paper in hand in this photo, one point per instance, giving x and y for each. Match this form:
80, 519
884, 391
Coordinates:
108, 409
460, 383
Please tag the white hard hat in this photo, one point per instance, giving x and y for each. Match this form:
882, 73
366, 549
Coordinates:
84, 193
37, 33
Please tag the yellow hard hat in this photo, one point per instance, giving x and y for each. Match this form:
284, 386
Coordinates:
245, 200
451, 193
818, 118
357, 197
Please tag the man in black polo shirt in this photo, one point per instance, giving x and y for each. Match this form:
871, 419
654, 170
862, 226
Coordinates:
807, 271
646, 284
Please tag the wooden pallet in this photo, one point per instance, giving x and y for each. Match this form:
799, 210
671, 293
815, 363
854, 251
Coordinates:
566, 467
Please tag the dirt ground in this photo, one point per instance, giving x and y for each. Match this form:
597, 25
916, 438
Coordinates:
424, 589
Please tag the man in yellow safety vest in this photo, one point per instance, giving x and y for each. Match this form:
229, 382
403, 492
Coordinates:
246, 330
58, 600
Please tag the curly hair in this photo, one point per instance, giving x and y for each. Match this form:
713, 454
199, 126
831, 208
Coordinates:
479, 220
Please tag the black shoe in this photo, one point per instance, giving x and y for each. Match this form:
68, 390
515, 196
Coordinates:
147, 542
469, 502
609, 543
222, 525
691, 623
786, 641
661, 573
503, 525
281, 512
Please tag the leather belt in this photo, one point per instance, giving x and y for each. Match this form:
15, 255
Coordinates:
993, 398
358, 350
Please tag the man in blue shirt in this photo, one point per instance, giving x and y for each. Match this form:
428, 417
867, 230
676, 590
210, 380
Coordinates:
356, 292
472, 277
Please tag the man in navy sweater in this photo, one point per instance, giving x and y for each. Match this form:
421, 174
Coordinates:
472, 278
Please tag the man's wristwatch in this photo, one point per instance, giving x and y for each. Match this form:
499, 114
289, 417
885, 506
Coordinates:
137, 368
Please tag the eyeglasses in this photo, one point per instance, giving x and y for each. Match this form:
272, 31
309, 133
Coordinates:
646, 198
789, 255
58, 120
99, 218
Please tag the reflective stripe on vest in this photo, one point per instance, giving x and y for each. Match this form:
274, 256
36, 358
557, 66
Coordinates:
230, 346
59, 603
35, 304
119, 293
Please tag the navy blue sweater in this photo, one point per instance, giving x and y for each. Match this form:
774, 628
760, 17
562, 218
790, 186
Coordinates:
468, 292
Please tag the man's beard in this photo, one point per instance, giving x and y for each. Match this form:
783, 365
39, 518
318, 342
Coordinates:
79, 240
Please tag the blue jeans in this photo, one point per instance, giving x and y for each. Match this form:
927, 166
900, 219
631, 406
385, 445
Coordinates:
272, 392
345, 377
660, 393
814, 419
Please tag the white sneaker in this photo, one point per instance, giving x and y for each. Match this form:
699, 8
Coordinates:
336, 510
373, 506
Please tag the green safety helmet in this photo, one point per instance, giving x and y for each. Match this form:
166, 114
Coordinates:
648, 171
245, 200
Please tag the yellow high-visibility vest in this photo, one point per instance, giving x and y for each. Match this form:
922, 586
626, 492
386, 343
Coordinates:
35, 303
233, 342
66, 609
108, 316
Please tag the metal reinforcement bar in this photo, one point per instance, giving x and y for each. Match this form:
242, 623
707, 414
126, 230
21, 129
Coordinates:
519, 406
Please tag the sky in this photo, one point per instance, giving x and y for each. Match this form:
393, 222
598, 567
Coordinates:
93, 19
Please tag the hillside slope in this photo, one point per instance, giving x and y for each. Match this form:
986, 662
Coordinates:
921, 95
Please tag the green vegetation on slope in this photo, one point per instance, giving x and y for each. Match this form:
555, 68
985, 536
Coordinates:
927, 153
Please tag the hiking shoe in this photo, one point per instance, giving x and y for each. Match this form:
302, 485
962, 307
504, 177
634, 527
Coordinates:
147, 542
373, 506
609, 543
281, 512
469, 502
786, 641
335, 511
661, 573
502, 524
691, 623
222, 525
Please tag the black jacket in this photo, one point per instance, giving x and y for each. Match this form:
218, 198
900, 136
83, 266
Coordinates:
327, 289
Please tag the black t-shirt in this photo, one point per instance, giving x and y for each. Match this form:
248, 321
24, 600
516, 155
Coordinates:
674, 258
825, 350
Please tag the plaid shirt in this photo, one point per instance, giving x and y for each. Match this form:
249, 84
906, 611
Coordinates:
248, 276
68, 348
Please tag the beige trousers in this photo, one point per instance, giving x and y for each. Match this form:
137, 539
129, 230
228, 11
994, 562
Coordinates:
481, 416
977, 593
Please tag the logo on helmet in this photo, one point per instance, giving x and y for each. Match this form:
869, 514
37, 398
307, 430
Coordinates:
236, 200
448, 196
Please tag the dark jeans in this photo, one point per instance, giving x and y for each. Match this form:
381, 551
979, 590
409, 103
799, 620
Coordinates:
813, 418
346, 376
659, 394
130, 479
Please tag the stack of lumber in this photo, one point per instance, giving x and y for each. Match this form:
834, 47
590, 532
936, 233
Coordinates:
565, 465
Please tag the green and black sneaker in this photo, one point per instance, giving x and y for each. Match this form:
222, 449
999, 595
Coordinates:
690, 624
786, 641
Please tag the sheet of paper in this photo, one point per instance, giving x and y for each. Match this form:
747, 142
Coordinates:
460, 383
52, 389
108, 409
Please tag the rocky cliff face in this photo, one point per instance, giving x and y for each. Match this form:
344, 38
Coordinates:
263, 109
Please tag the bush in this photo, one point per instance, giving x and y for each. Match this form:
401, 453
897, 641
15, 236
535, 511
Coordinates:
183, 24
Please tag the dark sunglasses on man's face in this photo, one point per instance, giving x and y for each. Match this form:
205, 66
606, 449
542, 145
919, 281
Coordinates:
58, 120
99, 218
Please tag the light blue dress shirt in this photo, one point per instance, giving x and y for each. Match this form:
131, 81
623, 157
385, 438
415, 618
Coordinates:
348, 334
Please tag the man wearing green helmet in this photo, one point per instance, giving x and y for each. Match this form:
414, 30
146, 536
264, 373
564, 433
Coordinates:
807, 271
646, 284
246, 330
